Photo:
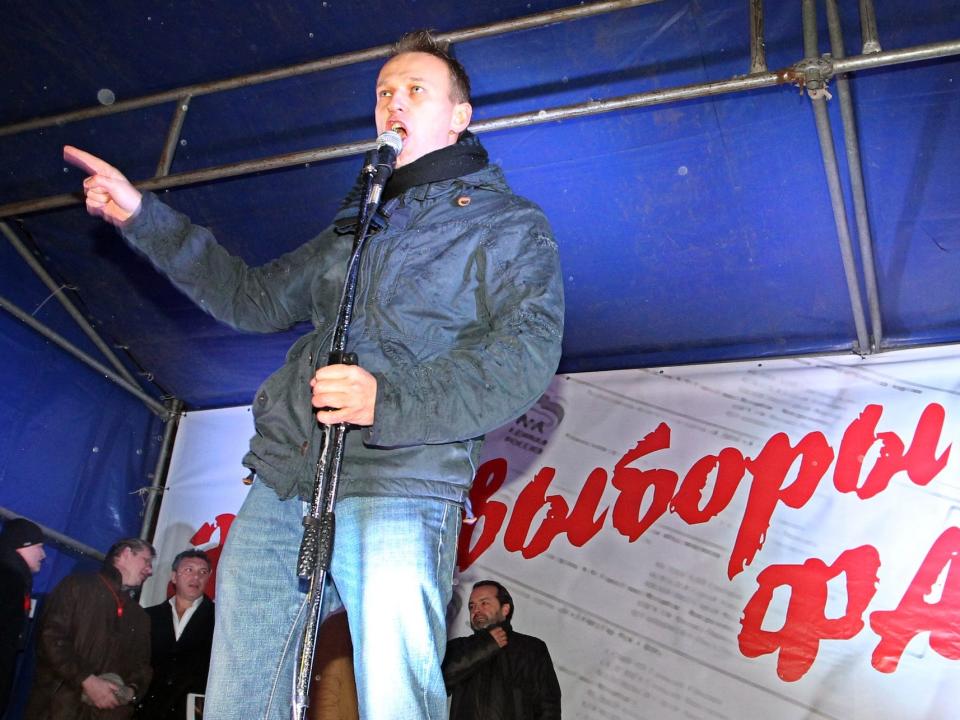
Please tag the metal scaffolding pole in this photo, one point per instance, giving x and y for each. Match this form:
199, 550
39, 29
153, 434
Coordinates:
916, 53
868, 28
817, 90
59, 539
789, 75
551, 17
173, 136
160, 471
64, 344
57, 291
758, 54
855, 172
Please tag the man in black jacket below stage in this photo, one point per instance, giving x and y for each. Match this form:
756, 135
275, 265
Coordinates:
21, 554
497, 673
181, 632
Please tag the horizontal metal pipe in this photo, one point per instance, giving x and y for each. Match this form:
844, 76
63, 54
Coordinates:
198, 176
576, 12
64, 541
71, 309
897, 57
593, 107
627, 102
65, 344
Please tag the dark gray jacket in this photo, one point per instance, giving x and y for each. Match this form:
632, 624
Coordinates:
459, 316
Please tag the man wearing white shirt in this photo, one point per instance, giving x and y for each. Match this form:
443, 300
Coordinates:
181, 631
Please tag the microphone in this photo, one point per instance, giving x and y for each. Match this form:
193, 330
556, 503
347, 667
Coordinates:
389, 145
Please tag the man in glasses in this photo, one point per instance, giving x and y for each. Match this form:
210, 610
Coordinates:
93, 641
181, 632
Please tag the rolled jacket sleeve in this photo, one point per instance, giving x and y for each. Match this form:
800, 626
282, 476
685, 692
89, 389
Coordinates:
269, 298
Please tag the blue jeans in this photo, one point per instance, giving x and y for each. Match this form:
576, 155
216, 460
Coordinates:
392, 570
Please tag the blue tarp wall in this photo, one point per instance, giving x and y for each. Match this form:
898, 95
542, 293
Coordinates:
74, 447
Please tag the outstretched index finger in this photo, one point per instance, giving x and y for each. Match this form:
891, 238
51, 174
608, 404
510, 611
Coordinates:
90, 164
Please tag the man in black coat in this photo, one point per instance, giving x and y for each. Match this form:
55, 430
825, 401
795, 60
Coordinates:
497, 673
21, 554
181, 632
93, 641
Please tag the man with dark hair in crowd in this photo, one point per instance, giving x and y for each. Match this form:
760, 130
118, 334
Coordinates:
21, 555
93, 646
181, 632
498, 673
457, 327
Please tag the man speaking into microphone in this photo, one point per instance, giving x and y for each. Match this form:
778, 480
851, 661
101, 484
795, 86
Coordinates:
456, 327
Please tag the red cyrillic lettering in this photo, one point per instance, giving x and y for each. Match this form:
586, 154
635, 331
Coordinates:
920, 461
769, 470
730, 467
806, 623
633, 484
490, 477
580, 525
915, 615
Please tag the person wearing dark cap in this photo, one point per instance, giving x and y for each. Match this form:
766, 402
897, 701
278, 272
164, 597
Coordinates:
21, 554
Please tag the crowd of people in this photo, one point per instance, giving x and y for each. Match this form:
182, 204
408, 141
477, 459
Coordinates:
101, 655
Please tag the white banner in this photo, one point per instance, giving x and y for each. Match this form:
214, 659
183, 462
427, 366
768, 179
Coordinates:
749, 540
203, 493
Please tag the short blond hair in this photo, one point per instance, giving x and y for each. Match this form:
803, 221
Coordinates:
423, 41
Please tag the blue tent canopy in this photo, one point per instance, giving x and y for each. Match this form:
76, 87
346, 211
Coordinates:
691, 231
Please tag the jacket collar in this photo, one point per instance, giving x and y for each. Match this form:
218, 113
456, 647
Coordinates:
464, 157
12, 559
487, 176
113, 577
505, 625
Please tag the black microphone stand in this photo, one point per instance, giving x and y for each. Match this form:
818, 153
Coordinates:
316, 547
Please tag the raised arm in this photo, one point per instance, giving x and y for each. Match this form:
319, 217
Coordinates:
269, 298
